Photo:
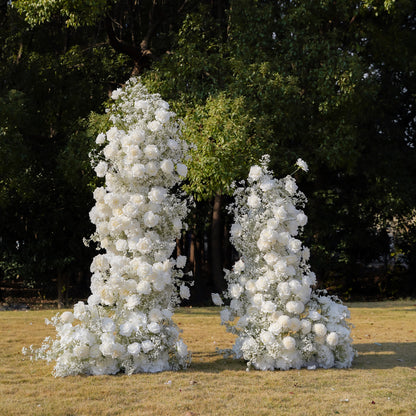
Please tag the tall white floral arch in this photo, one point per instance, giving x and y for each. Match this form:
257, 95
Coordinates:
127, 325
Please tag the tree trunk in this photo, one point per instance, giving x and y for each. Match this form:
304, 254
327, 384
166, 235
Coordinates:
216, 245
62, 286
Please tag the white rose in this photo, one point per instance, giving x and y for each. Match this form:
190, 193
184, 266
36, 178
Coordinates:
267, 337
154, 126
181, 262
253, 201
151, 151
152, 168
138, 170
134, 349
184, 292
302, 165
239, 266
154, 327
306, 326
150, 219
167, 166
162, 115
157, 194
144, 245
255, 172
144, 287
101, 169
147, 346
100, 138
301, 219
216, 299
182, 170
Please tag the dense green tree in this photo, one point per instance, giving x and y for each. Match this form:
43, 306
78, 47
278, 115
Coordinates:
52, 77
331, 82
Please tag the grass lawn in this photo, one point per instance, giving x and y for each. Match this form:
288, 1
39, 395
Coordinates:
382, 380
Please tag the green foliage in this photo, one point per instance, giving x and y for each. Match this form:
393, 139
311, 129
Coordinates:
76, 13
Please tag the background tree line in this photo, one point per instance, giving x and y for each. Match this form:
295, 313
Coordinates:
330, 82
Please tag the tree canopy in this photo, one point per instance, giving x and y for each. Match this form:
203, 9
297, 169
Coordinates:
330, 82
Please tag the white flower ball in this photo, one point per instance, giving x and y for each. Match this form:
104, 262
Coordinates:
283, 321
332, 339
132, 301
295, 307
108, 325
289, 343
137, 135
235, 290
290, 185
271, 258
319, 329
122, 245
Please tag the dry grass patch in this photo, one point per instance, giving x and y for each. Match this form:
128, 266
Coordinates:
382, 380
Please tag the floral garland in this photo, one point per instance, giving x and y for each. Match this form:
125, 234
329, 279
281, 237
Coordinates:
279, 321
127, 324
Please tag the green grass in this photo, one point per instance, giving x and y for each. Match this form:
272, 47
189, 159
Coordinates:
382, 380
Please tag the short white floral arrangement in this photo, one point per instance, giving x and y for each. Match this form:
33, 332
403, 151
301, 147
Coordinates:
280, 322
126, 325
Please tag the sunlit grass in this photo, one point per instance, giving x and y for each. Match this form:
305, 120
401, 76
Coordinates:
382, 380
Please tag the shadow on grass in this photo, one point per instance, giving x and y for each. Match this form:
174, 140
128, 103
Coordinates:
372, 356
385, 355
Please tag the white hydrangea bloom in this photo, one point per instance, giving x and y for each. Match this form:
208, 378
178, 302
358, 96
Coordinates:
127, 326
281, 323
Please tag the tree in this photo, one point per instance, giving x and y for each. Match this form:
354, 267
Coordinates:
52, 77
